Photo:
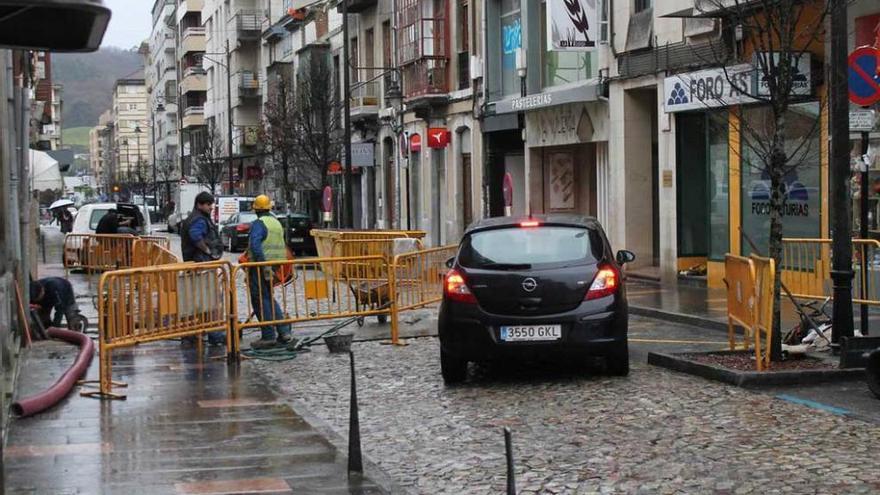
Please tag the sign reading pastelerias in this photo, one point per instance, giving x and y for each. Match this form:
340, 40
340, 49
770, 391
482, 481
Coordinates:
572, 25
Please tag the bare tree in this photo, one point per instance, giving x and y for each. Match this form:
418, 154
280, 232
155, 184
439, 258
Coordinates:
210, 161
778, 37
316, 132
167, 172
277, 136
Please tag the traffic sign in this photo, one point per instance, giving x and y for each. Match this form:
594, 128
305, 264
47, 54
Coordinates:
864, 75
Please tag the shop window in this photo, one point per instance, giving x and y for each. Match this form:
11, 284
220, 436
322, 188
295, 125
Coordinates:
718, 153
800, 217
511, 41
564, 67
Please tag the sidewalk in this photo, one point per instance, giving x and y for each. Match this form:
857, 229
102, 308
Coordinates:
189, 426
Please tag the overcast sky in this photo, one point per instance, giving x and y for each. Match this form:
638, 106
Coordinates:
130, 23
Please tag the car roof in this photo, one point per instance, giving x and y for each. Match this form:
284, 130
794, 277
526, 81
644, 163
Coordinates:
552, 218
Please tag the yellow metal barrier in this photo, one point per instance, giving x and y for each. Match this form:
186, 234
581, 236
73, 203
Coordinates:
750, 283
149, 304
146, 252
102, 252
309, 290
325, 239
416, 281
806, 269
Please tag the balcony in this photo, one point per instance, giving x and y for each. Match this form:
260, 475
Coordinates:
248, 24
194, 79
193, 40
364, 100
422, 38
248, 85
357, 6
425, 78
193, 116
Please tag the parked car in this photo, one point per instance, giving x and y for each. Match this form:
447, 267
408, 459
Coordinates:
534, 287
297, 232
235, 231
87, 218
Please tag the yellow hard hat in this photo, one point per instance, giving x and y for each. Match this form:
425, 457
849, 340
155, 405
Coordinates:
262, 203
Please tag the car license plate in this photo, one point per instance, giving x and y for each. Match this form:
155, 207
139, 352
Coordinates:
525, 333
296, 239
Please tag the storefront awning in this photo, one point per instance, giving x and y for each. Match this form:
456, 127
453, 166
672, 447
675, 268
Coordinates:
577, 94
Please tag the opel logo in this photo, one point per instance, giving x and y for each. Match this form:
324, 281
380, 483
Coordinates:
529, 285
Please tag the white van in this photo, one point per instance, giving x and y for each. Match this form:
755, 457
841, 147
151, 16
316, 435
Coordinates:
89, 215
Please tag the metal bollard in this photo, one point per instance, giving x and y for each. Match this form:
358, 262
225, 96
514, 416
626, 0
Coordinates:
508, 452
355, 461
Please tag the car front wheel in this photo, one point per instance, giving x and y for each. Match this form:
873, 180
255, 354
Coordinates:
453, 369
617, 361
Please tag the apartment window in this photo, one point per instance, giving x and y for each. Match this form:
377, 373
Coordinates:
464, 56
369, 59
641, 5
564, 67
511, 41
132, 106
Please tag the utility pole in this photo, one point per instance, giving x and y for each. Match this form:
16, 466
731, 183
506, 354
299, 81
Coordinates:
348, 203
153, 142
229, 118
841, 206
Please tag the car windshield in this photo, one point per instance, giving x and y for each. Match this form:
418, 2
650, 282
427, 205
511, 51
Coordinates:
96, 217
522, 248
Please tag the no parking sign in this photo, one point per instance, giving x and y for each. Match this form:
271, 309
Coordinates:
864, 75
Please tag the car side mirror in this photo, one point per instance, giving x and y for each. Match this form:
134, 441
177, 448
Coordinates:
624, 257
450, 262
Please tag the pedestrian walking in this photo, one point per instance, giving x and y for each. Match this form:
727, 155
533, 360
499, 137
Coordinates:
200, 242
266, 243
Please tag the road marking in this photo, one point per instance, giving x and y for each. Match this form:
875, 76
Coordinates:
671, 341
815, 405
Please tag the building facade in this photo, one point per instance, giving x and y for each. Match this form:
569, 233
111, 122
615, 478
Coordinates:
234, 90
160, 74
192, 86
131, 129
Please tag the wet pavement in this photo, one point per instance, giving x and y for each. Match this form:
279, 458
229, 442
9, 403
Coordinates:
189, 426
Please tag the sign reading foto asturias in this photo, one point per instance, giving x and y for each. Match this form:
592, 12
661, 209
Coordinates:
572, 25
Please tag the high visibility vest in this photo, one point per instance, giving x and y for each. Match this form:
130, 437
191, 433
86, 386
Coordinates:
274, 247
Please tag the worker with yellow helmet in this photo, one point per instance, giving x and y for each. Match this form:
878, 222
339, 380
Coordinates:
266, 243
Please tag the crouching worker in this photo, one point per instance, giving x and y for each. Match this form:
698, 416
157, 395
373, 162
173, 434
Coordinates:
55, 293
266, 243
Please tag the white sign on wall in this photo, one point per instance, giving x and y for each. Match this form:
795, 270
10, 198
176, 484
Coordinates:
712, 88
572, 25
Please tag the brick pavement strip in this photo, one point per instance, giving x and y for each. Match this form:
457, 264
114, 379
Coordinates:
653, 432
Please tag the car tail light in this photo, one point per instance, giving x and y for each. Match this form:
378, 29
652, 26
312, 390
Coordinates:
242, 227
604, 284
529, 223
457, 289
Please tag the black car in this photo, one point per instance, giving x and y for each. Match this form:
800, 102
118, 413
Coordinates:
234, 233
533, 287
297, 232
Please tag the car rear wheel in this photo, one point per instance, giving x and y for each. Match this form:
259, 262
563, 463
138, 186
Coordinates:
617, 361
453, 369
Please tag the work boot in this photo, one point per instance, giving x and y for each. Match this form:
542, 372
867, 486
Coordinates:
262, 344
283, 339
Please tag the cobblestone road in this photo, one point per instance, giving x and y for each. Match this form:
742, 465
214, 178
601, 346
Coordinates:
576, 431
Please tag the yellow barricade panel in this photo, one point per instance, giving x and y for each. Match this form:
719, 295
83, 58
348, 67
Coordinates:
765, 277
739, 277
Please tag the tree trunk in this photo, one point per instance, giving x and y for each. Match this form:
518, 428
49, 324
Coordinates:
777, 205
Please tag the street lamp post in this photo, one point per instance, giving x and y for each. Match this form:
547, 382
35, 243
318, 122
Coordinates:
138, 132
348, 206
227, 66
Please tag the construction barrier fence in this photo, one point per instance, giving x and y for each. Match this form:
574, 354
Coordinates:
161, 298
140, 305
806, 269
102, 252
750, 283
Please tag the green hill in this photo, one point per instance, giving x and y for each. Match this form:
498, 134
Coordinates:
77, 138
88, 80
